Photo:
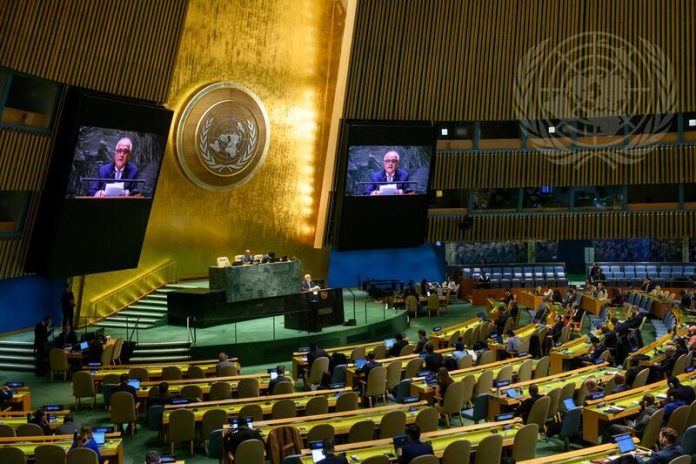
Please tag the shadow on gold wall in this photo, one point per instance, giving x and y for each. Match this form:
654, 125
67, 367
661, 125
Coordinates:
287, 53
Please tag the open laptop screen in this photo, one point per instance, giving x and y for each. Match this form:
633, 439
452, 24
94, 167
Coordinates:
625, 442
317, 451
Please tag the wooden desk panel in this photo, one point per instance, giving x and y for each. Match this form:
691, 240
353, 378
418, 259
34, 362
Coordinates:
568, 351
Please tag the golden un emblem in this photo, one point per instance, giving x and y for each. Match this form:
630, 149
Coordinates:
222, 136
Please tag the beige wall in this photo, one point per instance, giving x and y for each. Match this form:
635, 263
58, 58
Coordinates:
287, 53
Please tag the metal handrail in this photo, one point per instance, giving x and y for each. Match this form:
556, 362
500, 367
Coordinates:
133, 291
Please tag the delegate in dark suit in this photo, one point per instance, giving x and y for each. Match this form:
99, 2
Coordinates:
413, 450
108, 171
380, 178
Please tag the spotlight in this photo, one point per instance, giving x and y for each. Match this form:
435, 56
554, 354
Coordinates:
444, 131
692, 122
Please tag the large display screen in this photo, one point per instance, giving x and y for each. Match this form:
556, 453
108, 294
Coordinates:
100, 185
375, 170
382, 184
110, 162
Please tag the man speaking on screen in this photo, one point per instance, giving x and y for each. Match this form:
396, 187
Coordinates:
387, 181
120, 170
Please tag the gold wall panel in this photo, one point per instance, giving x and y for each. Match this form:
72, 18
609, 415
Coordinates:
565, 226
285, 53
457, 59
663, 165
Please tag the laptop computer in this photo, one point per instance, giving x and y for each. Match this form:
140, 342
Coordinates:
135, 383
389, 342
249, 421
99, 437
359, 363
274, 373
317, 449
84, 346
513, 393
234, 423
569, 404
625, 442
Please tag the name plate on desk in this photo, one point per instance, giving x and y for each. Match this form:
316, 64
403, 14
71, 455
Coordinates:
244, 283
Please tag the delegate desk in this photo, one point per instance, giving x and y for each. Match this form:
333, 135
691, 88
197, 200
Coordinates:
154, 372
111, 450
499, 400
653, 351
439, 440
420, 388
21, 399
353, 378
299, 359
494, 308
597, 414
441, 337
660, 305
175, 386
342, 421
581, 456
566, 352
232, 406
529, 299
524, 333
592, 304
17, 418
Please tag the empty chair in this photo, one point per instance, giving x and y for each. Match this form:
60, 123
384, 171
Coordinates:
427, 419
107, 355
212, 419
83, 387
6, 430
380, 459
454, 339
58, 361
524, 373
453, 402
678, 460
228, 371
251, 410
214, 446
29, 430
339, 374
123, 409
248, 388
284, 409
250, 452
347, 402
641, 378
524, 444
361, 431
407, 350
191, 392
465, 361
357, 353
12, 455
376, 384
555, 396
570, 426
490, 449
49, 454
480, 409
504, 374
542, 368
484, 383
692, 415
393, 375
689, 440
139, 373
392, 423
82, 456
220, 391
469, 384
487, 357
171, 373
380, 351
425, 459
677, 420
433, 304
182, 428
412, 368
317, 405
457, 452
320, 432
195, 372
652, 430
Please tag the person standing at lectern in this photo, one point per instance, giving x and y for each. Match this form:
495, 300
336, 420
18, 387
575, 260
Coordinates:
311, 289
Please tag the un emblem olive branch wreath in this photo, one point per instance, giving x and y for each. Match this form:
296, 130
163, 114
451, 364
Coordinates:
209, 159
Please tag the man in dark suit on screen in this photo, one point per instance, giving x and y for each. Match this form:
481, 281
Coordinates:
390, 174
118, 170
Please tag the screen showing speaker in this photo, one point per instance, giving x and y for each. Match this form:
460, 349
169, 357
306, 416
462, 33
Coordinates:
382, 184
100, 184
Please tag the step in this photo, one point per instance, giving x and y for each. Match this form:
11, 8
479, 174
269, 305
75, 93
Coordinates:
154, 359
163, 344
138, 313
157, 296
132, 320
15, 358
121, 325
147, 307
138, 351
154, 302
7, 366
7, 349
16, 343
